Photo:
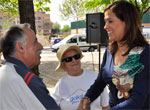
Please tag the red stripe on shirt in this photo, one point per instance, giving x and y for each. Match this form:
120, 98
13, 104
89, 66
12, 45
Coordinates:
26, 76
29, 78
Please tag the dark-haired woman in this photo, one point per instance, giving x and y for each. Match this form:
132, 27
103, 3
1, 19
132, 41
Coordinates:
125, 66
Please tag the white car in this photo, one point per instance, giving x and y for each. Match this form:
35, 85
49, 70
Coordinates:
76, 39
55, 41
146, 32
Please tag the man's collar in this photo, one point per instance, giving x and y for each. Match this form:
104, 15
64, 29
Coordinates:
15, 61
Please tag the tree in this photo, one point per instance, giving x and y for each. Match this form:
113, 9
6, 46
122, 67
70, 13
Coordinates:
11, 6
142, 5
66, 28
26, 12
73, 9
56, 28
7, 22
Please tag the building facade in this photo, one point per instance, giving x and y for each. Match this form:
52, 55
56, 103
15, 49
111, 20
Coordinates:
42, 22
146, 20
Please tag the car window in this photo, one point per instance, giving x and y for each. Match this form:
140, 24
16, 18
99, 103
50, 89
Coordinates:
82, 39
73, 40
57, 40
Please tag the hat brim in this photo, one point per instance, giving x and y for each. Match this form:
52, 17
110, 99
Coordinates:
62, 51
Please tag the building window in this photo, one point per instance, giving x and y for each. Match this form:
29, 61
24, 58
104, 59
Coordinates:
39, 18
39, 22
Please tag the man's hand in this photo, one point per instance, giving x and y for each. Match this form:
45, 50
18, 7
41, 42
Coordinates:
84, 104
106, 108
1, 65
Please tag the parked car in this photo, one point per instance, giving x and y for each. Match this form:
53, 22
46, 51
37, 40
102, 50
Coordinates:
55, 41
146, 32
75, 39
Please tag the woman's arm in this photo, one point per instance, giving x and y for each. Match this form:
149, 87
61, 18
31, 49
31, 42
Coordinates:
95, 90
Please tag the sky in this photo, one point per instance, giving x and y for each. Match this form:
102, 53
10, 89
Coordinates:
55, 14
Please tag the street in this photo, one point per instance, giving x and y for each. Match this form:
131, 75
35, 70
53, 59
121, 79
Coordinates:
47, 51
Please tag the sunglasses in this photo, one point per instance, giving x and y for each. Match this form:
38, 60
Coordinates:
69, 59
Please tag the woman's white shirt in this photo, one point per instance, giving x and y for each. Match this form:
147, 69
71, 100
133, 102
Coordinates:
70, 89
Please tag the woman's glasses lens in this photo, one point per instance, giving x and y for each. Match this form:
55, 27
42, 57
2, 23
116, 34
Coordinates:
69, 59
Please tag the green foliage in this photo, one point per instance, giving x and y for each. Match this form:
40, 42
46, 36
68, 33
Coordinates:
72, 9
56, 25
7, 23
66, 28
142, 5
11, 6
42, 5
56, 28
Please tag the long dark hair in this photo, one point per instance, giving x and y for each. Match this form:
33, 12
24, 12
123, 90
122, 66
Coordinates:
128, 13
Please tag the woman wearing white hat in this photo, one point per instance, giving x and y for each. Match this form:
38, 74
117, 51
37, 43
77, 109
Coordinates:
73, 86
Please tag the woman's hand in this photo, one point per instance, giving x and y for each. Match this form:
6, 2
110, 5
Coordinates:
84, 104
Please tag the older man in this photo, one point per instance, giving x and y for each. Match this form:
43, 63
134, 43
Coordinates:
20, 88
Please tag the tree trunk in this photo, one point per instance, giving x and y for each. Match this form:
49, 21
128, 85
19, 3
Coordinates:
26, 12
77, 26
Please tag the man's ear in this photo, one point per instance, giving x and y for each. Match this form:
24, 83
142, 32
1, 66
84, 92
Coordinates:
19, 47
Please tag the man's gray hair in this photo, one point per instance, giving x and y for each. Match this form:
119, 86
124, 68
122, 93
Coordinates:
22, 39
12, 36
